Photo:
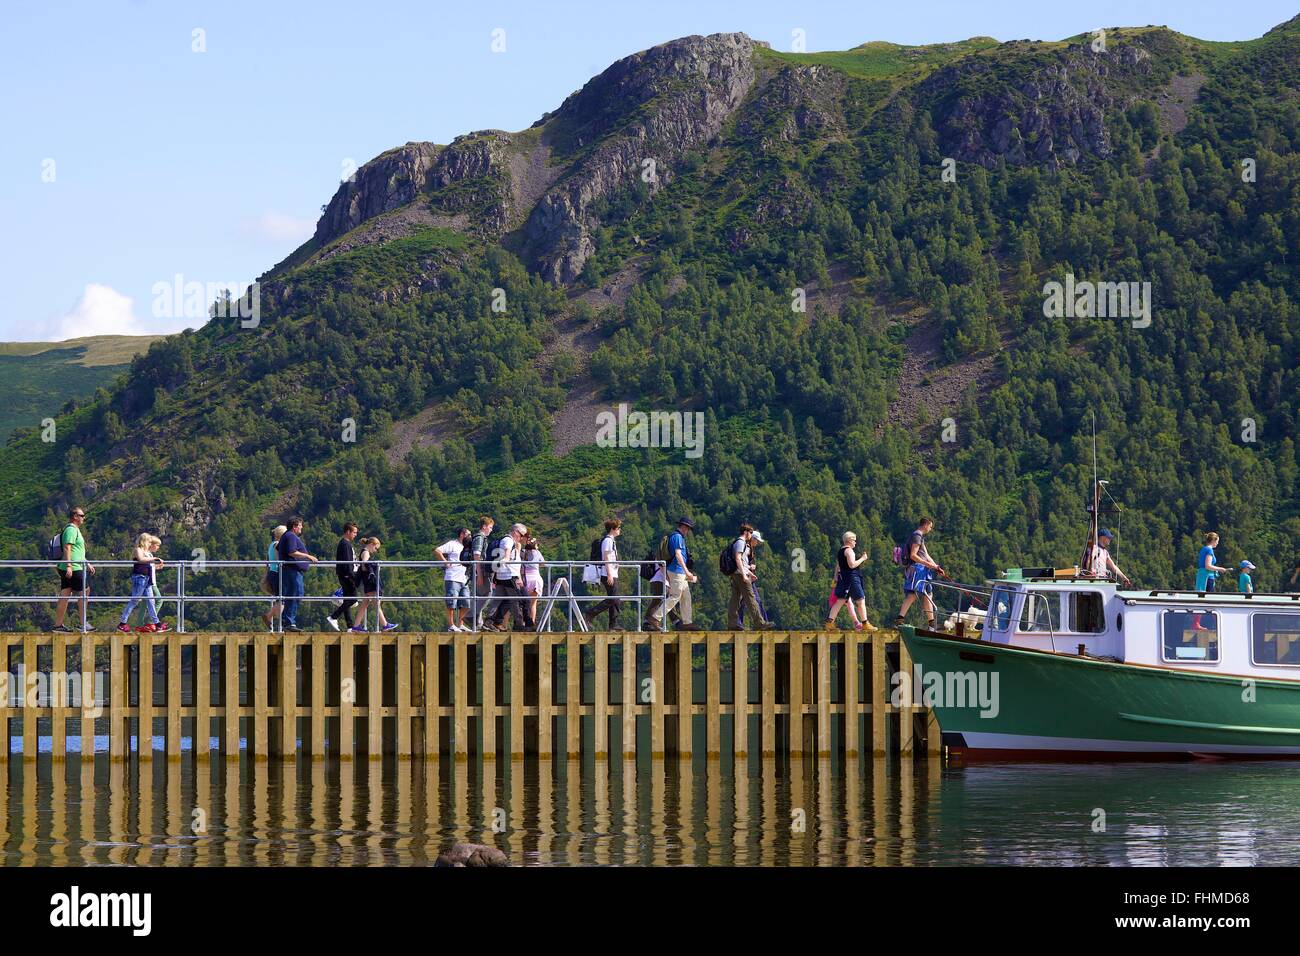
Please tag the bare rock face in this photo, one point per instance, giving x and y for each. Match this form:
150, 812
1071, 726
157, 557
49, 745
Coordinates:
472, 854
390, 180
398, 177
655, 105
1053, 116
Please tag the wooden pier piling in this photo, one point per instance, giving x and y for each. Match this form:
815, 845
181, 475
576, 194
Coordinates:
817, 693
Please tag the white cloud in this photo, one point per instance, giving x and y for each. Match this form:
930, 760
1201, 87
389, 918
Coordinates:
280, 227
101, 310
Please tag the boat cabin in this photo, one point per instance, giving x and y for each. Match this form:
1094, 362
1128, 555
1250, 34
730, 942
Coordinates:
1216, 632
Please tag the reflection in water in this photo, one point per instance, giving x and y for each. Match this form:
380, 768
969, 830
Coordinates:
750, 812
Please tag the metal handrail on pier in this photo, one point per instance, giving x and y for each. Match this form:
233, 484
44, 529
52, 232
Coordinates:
557, 588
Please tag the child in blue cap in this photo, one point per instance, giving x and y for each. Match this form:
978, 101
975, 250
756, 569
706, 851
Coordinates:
1244, 584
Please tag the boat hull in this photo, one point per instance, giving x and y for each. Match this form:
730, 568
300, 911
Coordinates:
1033, 705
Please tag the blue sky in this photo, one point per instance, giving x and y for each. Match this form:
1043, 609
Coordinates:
129, 158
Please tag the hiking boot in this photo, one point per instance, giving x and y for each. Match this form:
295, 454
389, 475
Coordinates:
768, 626
654, 623
688, 627
489, 626
869, 627
899, 622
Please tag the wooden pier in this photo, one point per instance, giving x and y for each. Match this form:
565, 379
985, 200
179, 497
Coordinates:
457, 695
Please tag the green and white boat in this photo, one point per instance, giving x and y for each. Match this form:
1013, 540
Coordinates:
1077, 667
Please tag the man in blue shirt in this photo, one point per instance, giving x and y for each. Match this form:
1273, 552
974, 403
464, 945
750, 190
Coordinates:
680, 578
294, 561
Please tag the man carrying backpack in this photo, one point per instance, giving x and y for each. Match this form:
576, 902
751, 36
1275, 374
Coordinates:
680, 578
72, 573
919, 570
735, 562
481, 548
605, 564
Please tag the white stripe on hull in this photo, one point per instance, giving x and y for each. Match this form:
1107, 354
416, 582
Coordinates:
991, 741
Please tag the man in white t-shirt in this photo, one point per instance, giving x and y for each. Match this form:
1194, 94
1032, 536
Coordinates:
742, 582
608, 574
509, 582
455, 578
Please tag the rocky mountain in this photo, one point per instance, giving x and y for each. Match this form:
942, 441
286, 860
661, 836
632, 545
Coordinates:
837, 259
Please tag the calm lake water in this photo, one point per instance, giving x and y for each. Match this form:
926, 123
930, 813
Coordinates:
693, 812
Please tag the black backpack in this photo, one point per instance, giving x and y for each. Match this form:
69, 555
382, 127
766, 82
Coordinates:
727, 559
595, 550
647, 569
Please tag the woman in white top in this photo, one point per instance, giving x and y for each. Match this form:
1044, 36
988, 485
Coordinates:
532, 564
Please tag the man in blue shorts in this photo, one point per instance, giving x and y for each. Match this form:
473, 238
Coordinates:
919, 571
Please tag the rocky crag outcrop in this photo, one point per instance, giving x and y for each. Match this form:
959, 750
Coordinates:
1052, 116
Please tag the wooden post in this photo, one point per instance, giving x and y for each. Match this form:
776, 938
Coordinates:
712, 699
824, 694
347, 696
740, 695
600, 645
260, 683
657, 643
488, 705
202, 739
116, 701
768, 744
796, 693
459, 698
879, 680
288, 695
544, 695
432, 697
29, 714
375, 698
516, 699
173, 695
628, 714
317, 716
4, 739
230, 674
908, 713
573, 696
684, 695
404, 697
144, 721
851, 694
58, 688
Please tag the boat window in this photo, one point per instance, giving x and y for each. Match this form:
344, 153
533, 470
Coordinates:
1087, 612
1000, 608
1275, 639
1041, 613
1191, 636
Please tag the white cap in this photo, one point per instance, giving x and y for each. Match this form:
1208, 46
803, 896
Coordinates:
757, 536
522, 529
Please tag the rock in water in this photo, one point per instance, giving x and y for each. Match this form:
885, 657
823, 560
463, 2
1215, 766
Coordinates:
472, 854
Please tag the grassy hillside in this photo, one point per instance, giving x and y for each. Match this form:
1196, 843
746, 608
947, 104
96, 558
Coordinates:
40, 377
916, 200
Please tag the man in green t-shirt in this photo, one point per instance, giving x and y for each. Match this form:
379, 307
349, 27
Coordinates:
73, 569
